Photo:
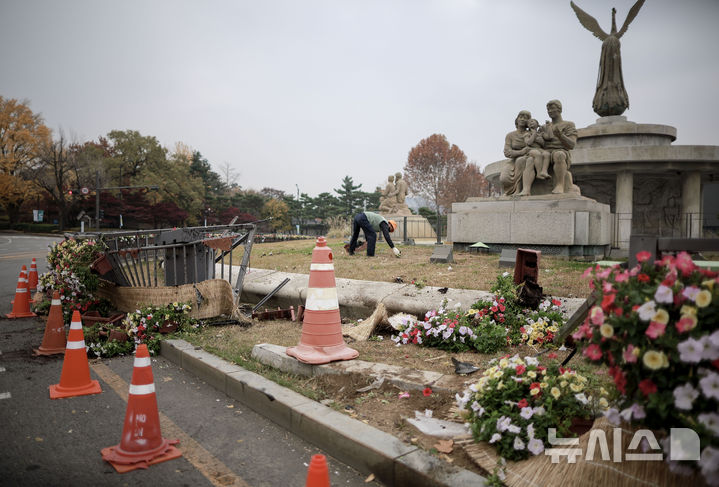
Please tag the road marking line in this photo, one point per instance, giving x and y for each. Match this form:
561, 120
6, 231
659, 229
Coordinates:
5, 395
24, 255
208, 465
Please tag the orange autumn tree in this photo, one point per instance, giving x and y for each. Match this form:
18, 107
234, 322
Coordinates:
440, 172
22, 135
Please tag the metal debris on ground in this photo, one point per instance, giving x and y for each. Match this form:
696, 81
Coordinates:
463, 367
375, 385
276, 314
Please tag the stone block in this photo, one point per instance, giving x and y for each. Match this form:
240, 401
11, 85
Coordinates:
442, 254
508, 258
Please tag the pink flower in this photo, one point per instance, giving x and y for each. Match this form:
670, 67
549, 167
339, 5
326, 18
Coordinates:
622, 276
583, 332
607, 287
596, 315
588, 272
593, 352
643, 256
684, 263
655, 330
629, 356
686, 323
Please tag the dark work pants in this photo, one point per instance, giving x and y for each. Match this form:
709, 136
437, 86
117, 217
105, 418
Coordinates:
361, 221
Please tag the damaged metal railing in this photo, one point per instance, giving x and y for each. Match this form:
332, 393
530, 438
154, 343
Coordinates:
171, 257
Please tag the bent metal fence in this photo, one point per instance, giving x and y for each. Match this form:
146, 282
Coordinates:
171, 257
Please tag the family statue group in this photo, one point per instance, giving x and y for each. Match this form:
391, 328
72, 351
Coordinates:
392, 200
534, 150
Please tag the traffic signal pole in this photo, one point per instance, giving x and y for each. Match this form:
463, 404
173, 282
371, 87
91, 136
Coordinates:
97, 195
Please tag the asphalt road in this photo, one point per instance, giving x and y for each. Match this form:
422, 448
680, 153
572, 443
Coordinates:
58, 442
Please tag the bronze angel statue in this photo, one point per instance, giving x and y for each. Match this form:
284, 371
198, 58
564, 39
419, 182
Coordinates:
611, 96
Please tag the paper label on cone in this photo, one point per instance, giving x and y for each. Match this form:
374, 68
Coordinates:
322, 299
55, 302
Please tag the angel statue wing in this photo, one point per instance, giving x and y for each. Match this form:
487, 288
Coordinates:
630, 16
591, 24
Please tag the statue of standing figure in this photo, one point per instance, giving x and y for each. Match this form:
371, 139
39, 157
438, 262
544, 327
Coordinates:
610, 97
531, 149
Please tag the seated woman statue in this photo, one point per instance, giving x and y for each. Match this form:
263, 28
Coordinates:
516, 150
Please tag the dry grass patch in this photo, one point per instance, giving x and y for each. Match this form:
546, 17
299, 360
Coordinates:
558, 277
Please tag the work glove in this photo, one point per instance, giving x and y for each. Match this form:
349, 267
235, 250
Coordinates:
396, 251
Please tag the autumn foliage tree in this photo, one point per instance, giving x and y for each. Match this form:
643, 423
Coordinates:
22, 135
439, 171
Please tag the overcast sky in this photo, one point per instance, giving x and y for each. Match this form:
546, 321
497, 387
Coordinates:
303, 92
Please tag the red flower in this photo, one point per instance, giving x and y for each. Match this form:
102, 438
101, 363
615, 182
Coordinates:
551, 355
523, 403
647, 387
643, 277
427, 392
593, 352
556, 302
715, 363
643, 256
520, 369
607, 301
534, 385
620, 381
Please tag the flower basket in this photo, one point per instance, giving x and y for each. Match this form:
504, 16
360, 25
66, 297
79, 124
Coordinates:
168, 327
580, 425
101, 265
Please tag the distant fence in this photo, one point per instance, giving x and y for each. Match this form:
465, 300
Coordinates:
662, 222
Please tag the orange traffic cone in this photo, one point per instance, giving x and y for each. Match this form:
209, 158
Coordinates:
321, 341
54, 340
21, 303
32, 276
142, 443
75, 378
318, 474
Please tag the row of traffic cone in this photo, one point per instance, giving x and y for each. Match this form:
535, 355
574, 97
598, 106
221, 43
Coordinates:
142, 443
21, 303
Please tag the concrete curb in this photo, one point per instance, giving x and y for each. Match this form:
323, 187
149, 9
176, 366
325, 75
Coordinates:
403, 378
364, 447
358, 299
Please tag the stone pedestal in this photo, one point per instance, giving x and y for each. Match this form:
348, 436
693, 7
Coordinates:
566, 225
